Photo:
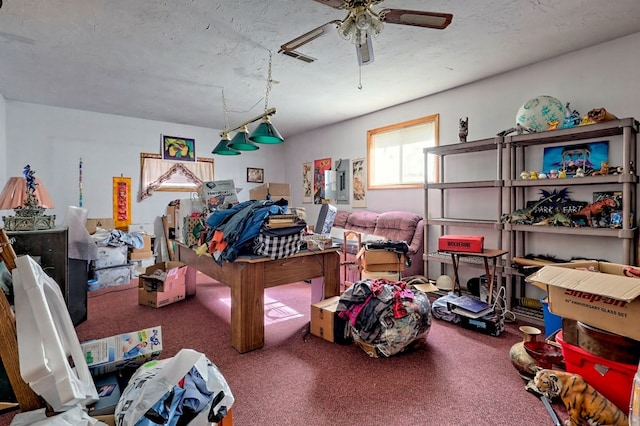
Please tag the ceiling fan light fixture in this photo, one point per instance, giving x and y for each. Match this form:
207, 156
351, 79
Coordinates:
266, 133
347, 28
223, 146
241, 142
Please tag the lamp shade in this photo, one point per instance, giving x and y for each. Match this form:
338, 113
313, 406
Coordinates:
223, 147
241, 142
14, 194
266, 133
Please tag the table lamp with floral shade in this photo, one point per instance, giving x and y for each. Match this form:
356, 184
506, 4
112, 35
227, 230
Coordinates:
29, 199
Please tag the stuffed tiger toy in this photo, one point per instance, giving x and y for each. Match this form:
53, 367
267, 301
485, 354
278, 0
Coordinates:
583, 402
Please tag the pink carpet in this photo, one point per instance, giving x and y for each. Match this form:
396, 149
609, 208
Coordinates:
460, 377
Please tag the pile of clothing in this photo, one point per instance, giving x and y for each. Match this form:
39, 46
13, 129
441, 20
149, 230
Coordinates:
231, 232
386, 317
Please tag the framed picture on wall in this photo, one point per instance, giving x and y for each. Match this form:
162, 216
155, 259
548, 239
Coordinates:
255, 175
178, 148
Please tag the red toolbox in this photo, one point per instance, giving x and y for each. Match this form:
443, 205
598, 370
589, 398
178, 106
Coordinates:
464, 243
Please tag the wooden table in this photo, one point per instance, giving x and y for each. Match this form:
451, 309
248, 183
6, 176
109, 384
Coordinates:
249, 276
485, 255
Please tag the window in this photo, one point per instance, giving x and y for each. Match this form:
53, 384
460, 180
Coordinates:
395, 154
167, 175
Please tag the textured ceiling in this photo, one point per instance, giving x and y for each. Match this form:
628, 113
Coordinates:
169, 60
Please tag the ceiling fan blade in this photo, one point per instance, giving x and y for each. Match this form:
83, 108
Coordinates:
289, 47
435, 20
336, 4
365, 52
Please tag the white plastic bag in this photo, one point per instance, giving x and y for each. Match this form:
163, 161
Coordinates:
73, 417
155, 378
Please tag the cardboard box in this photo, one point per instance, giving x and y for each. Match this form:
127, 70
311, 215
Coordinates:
140, 255
158, 299
604, 298
464, 243
109, 394
275, 190
146, 239
180, 282
381, 260
371, 275
103, 222
123, 350
326, 323
171, 215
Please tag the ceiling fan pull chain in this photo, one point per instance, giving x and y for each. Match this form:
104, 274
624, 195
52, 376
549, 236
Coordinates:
360, 77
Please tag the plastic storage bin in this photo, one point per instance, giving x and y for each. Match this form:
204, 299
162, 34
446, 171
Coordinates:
552, 322
612, 379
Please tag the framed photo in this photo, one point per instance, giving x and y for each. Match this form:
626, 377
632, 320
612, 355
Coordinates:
587, 156
178, 149
255, 175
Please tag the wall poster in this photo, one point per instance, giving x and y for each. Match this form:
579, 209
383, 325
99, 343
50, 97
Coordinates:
307, 183
359, 186
121, 202
318, 179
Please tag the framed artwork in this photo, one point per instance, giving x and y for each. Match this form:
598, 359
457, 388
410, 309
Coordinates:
121, 202
319, 166
587, 156
255, 175
307, 183
178, 148
359, 183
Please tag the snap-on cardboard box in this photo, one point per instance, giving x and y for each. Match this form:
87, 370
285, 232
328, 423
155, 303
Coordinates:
381, 260
123, 350
604, 298
464, 243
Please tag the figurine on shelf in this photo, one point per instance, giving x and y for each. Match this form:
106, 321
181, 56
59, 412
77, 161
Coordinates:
542, 175
463, 131
562, 174
579, 172
533, 175
525, 175
553, 174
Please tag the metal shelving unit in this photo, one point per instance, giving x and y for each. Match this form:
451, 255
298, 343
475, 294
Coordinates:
516, 148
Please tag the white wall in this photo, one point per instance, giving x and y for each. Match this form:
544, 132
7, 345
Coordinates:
601, 76
52, 140
605, 75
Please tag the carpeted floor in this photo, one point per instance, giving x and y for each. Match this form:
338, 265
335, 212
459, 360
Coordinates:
459, 377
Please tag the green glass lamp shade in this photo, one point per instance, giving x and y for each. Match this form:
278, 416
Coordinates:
223, 147
241, 142
266, 133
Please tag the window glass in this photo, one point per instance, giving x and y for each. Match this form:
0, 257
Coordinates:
395, 153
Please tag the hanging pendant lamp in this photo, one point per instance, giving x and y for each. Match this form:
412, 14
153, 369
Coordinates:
265, 132
241, 142
223, 146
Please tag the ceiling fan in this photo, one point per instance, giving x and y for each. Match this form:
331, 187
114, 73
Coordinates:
362, 23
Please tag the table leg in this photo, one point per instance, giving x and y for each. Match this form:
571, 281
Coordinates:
456, 279
247, 307
331, 271
490, 278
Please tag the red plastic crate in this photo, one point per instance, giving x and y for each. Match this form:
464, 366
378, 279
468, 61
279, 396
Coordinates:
612, 379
